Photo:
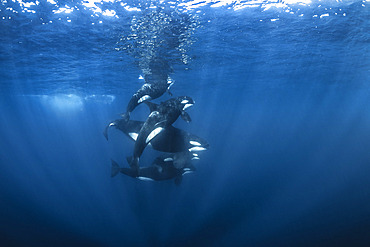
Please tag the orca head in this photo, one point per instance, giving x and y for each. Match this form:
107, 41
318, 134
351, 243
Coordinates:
196, 144
185, 102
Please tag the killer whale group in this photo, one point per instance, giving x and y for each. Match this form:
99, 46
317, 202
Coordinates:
179, 148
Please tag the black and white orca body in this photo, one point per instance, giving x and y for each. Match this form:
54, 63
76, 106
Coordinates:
178, 160
160, 118
170, 140
130, 127
160, 170
155, 89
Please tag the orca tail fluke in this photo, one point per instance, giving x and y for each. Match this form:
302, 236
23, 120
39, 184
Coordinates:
115, 169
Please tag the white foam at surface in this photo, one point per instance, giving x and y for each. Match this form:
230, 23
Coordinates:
100, 8
109, 12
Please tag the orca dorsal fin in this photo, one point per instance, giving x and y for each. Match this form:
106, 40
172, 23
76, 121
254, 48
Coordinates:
152, 106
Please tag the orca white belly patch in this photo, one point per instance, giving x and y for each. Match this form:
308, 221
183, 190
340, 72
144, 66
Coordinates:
186, 106
145, 97
196, 149
145, 179
187, 172
195, 143
153, 134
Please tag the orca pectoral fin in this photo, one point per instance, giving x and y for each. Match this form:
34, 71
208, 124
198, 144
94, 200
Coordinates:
178, 180
115, 169
152, 106
185, 116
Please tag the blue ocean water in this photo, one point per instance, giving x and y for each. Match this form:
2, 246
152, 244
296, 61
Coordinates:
281, 94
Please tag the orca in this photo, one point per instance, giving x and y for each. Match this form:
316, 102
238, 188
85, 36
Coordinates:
170, 140
179, 160
159, 171
161, 116
154, 87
